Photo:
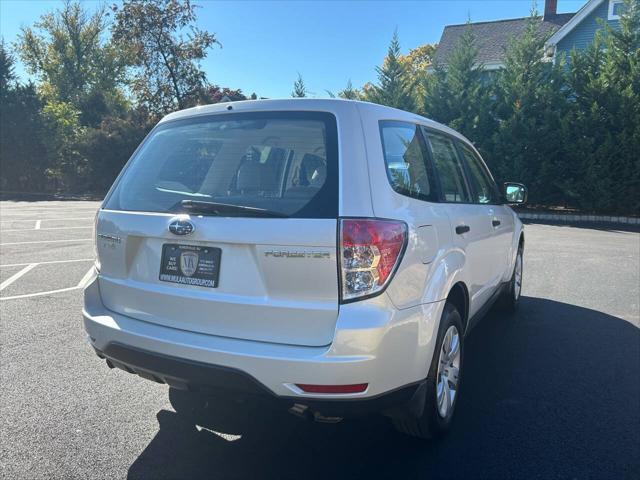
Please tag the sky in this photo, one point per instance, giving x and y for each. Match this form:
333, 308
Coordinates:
266, 44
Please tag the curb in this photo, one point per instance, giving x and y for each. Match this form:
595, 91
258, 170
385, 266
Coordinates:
564, 218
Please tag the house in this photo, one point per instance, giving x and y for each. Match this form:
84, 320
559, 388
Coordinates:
580, 30
566, 31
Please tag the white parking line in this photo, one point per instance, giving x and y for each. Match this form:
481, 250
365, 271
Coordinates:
17, 275
83, 282
15, 221
37, 227
54, 219
49, 241
49, 292
46, 263
50, 228
39, 294
76, 213
14, 210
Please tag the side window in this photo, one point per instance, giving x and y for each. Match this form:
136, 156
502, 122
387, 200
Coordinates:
483, 186
448, 167
405, 159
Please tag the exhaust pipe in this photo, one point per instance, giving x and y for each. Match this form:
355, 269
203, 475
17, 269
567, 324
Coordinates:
303, 411
318, 417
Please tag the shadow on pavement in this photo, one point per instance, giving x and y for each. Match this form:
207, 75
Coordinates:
551, 392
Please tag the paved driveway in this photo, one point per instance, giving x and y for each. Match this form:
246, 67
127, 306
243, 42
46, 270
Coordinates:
552, 392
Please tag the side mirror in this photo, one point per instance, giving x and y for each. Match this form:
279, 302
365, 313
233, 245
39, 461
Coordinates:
515, 193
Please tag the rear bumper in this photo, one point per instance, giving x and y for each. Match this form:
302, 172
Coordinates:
374, 343
204, 378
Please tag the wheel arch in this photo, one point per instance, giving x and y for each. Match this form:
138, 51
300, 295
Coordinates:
458, 296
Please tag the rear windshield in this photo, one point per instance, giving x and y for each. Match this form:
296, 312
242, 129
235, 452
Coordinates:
281, 162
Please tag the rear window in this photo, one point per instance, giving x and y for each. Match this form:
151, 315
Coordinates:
283, 162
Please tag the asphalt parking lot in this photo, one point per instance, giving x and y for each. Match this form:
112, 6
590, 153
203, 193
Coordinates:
551, 392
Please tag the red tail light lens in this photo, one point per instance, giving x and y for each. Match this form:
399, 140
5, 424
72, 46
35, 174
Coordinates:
370, 251
354, 388
96, 261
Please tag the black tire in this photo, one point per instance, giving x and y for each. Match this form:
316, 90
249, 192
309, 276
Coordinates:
429, 423
511, 297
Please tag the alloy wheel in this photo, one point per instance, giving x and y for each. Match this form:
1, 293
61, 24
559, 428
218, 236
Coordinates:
448, 371
517, 287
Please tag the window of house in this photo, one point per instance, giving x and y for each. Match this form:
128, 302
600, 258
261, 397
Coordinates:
616, 8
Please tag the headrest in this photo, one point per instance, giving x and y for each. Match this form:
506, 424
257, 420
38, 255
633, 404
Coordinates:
313, 170
249, 176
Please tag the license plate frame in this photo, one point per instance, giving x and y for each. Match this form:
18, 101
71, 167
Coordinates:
191, 265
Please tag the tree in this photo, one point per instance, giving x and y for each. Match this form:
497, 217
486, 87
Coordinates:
217, 94
419, 58
299, 88
110, 146
416, 63
530, 102
604, 118
165, 63
67, 166
65, 51
394, 87
458, 95
7, 65
80, 77
23, 133
349, 93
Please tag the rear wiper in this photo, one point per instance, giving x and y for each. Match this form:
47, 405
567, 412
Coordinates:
221, 209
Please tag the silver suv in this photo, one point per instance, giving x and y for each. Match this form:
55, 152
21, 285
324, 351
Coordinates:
331, 255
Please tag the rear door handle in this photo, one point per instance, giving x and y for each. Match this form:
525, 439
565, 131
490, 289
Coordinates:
460, 229
495, 223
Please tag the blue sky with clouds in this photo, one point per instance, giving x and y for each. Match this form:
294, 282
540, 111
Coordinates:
265, 44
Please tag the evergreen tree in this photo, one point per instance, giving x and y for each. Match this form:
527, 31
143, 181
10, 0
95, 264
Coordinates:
299, 88
530, 103
604, 118
394, 87
349, 93
457, 94
7, 68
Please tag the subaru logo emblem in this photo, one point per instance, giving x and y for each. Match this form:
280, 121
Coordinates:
181, 226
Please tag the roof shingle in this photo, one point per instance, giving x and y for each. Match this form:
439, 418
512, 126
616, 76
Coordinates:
493, 37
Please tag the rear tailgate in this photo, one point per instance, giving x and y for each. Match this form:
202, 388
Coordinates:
257, 195
277, 278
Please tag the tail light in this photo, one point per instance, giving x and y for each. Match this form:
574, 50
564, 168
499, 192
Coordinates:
353, 388
96, 261
370, 251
